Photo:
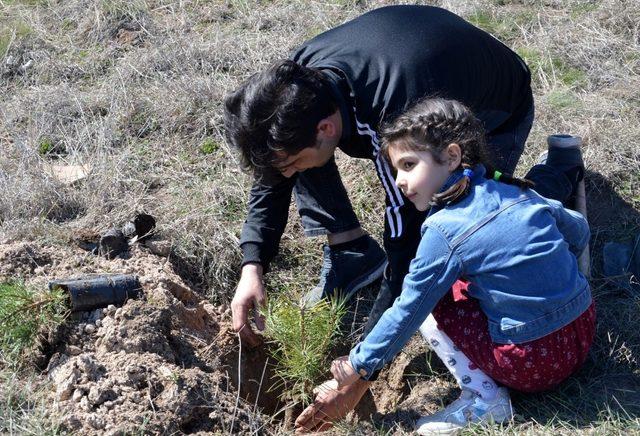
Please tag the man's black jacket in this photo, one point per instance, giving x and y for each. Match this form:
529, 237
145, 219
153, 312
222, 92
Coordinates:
380, 63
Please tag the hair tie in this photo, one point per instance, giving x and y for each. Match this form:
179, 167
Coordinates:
468, 172
496, 175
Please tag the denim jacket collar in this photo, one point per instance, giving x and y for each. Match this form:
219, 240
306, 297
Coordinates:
478, 175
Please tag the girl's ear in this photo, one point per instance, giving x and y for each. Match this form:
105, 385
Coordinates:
453, 154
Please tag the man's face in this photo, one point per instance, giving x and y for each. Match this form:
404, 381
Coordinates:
328, 135
310, 157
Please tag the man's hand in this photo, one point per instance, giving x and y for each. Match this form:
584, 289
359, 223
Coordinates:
331, 404
249, 295
343, 372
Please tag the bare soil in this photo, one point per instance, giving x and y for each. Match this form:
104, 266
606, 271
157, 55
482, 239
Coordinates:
169, 362
162, 363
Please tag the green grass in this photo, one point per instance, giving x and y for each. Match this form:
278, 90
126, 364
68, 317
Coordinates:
209, 146
12, 30
122, 8
553, 69
562, 99
24, 407
45, 147
506, 27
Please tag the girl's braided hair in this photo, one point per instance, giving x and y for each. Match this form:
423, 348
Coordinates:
434, 123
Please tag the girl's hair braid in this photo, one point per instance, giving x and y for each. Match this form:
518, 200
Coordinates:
434, 123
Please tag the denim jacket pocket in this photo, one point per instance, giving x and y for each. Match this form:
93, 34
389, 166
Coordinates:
517, 332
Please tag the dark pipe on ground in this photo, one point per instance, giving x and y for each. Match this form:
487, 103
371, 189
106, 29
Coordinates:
95, 291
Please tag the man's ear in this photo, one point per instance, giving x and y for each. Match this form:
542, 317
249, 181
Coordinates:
326, 127
453, 156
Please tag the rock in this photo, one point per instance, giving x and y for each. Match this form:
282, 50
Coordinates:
98, 323
90, 329
95, 315
107, 322
621, 261
77, 395
118, 313
56, 365
72, 422
97, 395
84, 404
616, 257
111, 308
87, 365
73, 350
159, 248
96, 422
65, 381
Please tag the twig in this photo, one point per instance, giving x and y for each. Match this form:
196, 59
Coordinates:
264, 369
235, 408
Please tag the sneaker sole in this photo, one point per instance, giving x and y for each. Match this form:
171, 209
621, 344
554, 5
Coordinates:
365, 280
441, 432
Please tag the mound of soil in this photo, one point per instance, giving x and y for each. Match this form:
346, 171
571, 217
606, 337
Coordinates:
169, 361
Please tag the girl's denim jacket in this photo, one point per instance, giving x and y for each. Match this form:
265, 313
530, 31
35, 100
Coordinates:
518, 251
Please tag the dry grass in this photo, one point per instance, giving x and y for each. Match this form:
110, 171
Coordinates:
134, 89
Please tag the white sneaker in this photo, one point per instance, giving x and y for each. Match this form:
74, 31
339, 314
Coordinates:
470, 408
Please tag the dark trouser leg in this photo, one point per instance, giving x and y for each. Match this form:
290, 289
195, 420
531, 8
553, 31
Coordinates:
505, 148
322, 201
550, 183
400, 251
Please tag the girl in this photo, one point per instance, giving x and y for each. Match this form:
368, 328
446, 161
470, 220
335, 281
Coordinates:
494, 287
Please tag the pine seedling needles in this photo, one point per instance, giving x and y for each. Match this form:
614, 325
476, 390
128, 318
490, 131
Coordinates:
24, 314
302, 337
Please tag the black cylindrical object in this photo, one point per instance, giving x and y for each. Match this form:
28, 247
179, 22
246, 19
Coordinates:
95, 291
112, 243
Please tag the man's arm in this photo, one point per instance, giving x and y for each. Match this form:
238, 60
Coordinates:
269, 202
266, 219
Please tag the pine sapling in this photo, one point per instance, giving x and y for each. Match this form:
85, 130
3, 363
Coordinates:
302, 337
24, 315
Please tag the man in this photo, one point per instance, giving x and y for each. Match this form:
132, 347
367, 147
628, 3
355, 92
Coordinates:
335, 91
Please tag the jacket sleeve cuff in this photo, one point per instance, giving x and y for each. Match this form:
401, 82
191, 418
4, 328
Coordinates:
251, 254
365, 371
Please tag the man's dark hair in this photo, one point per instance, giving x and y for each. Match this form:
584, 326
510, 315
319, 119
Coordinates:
276, 110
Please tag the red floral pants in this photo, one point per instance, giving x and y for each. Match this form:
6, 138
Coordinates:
529, 367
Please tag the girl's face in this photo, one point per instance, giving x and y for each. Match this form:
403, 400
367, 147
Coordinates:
419, 174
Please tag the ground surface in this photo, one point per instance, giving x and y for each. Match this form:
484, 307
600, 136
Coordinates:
132, 92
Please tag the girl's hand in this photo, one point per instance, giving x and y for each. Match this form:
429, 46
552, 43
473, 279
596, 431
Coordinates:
343, 372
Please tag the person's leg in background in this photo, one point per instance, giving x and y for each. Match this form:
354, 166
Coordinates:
506, 147
351, 259
561, 170
558, 177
